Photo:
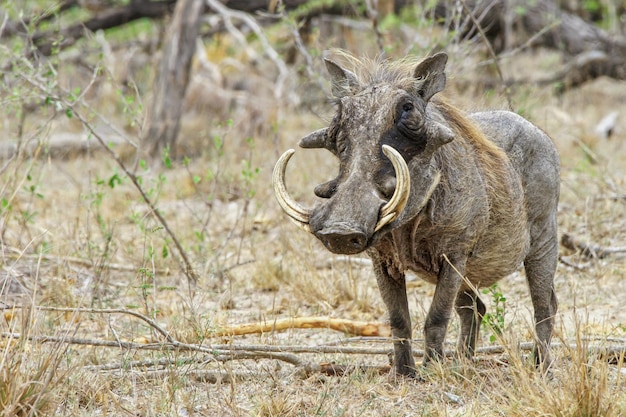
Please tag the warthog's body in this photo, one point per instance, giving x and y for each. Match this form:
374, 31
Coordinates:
482, 200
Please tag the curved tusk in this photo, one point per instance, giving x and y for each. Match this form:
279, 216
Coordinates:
295, 211
400, 197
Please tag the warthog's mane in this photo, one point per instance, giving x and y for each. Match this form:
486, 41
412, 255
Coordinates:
494, 163
490, 154
379, 70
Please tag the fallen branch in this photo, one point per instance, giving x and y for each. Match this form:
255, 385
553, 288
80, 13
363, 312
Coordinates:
223, 353
359, 328
590, 250
614, 354
20, 27
47, 41
587, 66
287, 353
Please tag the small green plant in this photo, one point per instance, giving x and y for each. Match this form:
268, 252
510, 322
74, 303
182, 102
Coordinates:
495, 320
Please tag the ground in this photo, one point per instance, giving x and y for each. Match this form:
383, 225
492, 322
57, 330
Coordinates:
76, 233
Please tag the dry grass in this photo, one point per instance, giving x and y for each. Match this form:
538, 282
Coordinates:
74, 232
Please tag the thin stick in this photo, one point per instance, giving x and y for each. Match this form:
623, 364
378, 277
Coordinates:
271, 53
222, 352
507, 93
79, 310
189, 270
75, 260
372, 13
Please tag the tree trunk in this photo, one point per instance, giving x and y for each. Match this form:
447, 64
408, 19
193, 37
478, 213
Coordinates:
172, 77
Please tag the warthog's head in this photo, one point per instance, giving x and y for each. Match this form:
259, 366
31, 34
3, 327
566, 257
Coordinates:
384, 135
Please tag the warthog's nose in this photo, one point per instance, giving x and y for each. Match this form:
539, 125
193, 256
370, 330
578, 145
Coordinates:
343, 239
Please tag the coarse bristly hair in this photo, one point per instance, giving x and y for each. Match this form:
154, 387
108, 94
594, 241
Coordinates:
377, 70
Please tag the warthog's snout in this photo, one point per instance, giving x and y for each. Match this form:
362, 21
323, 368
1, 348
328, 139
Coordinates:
343, 239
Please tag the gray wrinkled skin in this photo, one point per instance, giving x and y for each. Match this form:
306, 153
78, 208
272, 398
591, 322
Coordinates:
493, 209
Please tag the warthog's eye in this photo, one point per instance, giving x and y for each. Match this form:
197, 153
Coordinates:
406, 112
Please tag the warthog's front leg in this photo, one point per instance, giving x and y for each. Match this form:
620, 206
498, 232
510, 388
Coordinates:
448, 285
392, 285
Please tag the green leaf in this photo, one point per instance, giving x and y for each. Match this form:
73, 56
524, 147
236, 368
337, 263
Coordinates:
114, 180
165, 157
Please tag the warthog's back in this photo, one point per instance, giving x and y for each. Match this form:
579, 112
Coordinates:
532, 154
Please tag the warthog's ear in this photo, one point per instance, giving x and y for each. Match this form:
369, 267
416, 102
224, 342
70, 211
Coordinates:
343, 82
430, 75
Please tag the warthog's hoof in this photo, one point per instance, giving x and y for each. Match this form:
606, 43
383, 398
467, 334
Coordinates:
396, 377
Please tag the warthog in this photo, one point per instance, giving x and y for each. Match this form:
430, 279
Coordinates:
461, 199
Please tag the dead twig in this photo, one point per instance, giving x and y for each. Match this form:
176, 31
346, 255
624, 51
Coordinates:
372, 13
79, 310
576, 265
19, 254
229, 14
210, 377
146, 364
616, 197
333, 369
590, 250
492, 53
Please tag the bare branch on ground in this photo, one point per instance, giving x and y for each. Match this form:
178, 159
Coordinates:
590, 250
361, 328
